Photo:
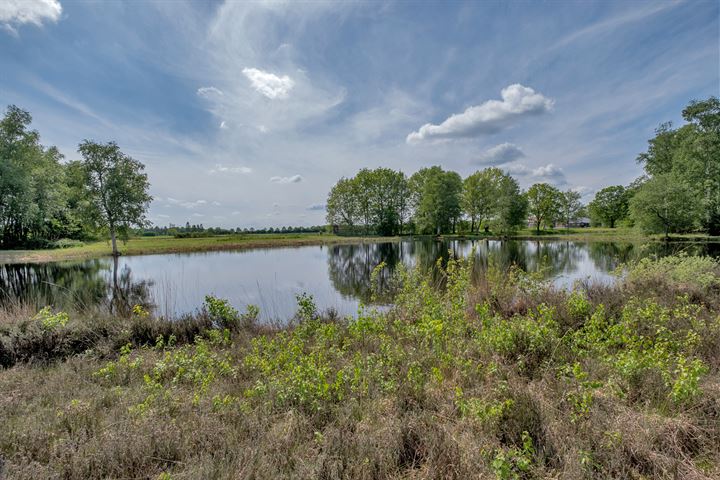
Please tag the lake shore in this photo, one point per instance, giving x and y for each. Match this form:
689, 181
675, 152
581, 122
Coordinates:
167, 244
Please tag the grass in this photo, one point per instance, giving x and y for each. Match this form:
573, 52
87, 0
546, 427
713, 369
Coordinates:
505, 378
168, 244
595, 234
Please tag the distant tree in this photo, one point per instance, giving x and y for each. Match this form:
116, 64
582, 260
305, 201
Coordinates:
481, 196
117, 188
512, 206
664, 205
342, 206
570, 206
388, 200
544, 203
376, 199
610, 205
436, 197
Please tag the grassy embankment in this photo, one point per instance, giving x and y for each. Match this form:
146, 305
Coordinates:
167, 244
507, 379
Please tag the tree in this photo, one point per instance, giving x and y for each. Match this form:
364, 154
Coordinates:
376, 199
481, 195
691, 154
33, 187
512, 206
341, 204
436, 194
662, 205
544, 203
116, 187
570, 206
610, 205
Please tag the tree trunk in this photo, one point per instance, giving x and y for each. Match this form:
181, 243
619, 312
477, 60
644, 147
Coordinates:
113, 239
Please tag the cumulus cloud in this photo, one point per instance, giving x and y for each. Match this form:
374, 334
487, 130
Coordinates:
220, 168
546, 173
223, 125
293, 179
317, 207
492, 116
501, 154
14, 13
268, 83
185, 203
209, 92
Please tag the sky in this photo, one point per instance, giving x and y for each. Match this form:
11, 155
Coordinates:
246, 113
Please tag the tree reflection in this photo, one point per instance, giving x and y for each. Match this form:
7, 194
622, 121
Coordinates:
78, 286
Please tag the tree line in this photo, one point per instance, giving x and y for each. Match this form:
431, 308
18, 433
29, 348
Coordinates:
432, 200
679, 193
201, 231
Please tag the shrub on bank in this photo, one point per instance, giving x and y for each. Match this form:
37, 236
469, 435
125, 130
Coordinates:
507, 378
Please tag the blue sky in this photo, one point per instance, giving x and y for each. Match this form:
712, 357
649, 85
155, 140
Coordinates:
246, 114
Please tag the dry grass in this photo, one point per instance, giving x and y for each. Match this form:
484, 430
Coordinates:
432, 389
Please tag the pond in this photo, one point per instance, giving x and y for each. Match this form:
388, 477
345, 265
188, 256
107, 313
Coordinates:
337, 276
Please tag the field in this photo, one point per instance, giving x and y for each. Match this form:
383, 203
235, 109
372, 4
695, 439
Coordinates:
508, 378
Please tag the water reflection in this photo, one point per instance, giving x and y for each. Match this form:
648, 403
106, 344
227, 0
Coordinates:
78, 286
337, 276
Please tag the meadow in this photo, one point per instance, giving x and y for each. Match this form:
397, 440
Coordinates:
506, 377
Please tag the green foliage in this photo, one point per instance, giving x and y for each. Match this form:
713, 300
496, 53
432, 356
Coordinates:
376, 200
570, 206
544, 203
436, 199
610, 205
683, 164
514, 463
665, 204
51, 320
36, 198
115, 186
307, 310
694, 272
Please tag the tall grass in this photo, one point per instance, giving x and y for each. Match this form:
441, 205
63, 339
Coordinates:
506, 377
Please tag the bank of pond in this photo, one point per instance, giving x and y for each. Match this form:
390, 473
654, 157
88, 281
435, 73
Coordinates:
339, 277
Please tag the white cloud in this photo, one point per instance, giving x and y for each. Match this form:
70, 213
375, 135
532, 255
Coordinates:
216, 203
492, 116
14, 13
223, 125
546, 173
209, 92
220, 168
186, 204
317, 207
268, 83
501, 154
293, 179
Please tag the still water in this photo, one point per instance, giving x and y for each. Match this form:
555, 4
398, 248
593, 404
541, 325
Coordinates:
337, 276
